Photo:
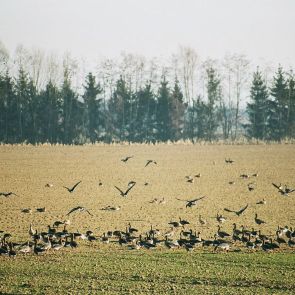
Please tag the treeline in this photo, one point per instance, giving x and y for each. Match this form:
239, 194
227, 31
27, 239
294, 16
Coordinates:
145, 111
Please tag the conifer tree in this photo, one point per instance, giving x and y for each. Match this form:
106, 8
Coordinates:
92, 107
257, 108
162, 112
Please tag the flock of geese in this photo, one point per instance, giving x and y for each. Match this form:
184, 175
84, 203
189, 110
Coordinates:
179, 235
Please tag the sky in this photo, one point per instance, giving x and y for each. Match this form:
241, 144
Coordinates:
263, 30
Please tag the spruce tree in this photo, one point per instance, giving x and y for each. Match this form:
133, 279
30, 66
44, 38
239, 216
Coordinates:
49, 114
176, 112
119, 111
278, 107
257, 108
291, 106
92, 107
162, 112
145, 117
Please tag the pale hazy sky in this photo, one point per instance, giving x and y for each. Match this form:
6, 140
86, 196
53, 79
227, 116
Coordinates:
94, 28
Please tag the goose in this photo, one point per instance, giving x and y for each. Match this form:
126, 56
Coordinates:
250, 245
6, 195
231, 182
105, 239
70, 190
222, 246
12, 252
258, 221
222, 234
171, 244
149, 162
262, 202
57, 223
154, 232
26, 210
220, 218
279, 239
131, 230
111, 208
58, 246
170, 232
229, 161
38, 250
245, 176
191, 203
239, 212
291, 243
251, 186
48, 185
202, 221
126, 159
79, 209
124, 194
25, 248
183, 222
41, 209
236, 231
32, 231
254, 233
100, 183
174, 223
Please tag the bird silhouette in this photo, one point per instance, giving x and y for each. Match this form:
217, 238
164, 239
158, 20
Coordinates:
149, 162
229, 161
258, 221
79, 209
130, 186
237, 212
126, 159
191, 203
283, 190
70, 190
6, 195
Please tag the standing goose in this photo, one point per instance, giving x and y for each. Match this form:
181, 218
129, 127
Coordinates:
258, 221
222, 234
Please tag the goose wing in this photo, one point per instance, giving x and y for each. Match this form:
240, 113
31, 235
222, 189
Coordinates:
73, 210
121, 192
229, 210
76, 185
130, 187
277, 186
242, 210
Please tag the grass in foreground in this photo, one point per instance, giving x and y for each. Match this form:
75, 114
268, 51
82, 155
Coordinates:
141, 272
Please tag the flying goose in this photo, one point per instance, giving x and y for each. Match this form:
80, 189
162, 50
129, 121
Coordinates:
126, 159
283, 190
70, 190
111, 208
6, 195
238, 213
229, 161
79, 209
149, 162
124, 194
191, 203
